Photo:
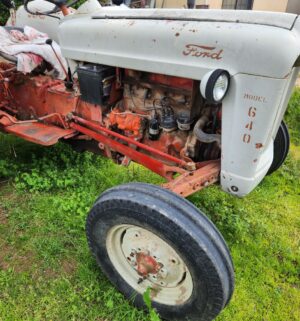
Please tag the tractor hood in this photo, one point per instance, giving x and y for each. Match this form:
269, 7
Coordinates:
280, 20
186, 43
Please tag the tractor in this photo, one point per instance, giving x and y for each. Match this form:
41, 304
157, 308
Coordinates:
196, 96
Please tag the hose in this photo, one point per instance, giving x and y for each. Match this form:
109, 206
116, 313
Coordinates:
202, 136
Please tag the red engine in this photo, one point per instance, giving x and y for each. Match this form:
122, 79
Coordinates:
163, 112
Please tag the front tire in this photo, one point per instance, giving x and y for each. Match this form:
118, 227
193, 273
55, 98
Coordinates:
191, 275
281, 148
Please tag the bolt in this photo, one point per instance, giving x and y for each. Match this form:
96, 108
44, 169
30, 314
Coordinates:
191, 166
137, 234
101, 146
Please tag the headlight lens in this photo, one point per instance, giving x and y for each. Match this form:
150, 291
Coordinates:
214, 85
220, 88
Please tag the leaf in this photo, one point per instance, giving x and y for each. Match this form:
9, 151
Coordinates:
147, 298
110, 304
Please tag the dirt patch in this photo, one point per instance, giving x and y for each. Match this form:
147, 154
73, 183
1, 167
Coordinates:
298, 82
66, 267
3, 217
19, 262
45, 274
6, 250
69, 266
24, 262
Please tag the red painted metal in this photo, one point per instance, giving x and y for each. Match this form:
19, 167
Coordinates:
172, 81
146, 264
126, 121
41, 110
39, 133
46, 118
154, 165
182, 84
65, 10
131, 141
191, 182
171, 143
40, 96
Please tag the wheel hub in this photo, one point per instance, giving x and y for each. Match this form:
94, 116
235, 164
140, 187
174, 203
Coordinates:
145, 260
146, 264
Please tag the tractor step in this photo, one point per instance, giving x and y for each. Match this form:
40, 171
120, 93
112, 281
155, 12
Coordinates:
39, 133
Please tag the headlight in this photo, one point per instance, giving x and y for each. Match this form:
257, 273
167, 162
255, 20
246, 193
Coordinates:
214, 85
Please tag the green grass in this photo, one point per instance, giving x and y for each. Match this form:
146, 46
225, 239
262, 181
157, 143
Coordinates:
47, 272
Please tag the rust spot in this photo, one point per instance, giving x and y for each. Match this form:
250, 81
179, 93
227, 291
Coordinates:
177, 34
258, 145
183, 290
146, 264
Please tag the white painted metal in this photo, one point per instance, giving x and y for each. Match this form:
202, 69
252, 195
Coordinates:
171, 47
248, 120
172, 285
237, 16
44, 24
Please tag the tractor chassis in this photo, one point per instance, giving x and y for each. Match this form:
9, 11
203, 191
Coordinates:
192, 176
53, 115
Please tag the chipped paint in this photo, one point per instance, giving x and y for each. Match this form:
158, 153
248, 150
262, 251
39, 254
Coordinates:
258, 145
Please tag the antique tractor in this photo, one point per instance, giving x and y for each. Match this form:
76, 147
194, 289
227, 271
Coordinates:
196, 96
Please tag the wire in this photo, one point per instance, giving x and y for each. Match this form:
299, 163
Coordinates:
129, 112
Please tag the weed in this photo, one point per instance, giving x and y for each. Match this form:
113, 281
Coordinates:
147, 299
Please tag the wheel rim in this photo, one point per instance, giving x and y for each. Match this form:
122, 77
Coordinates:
145, 261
